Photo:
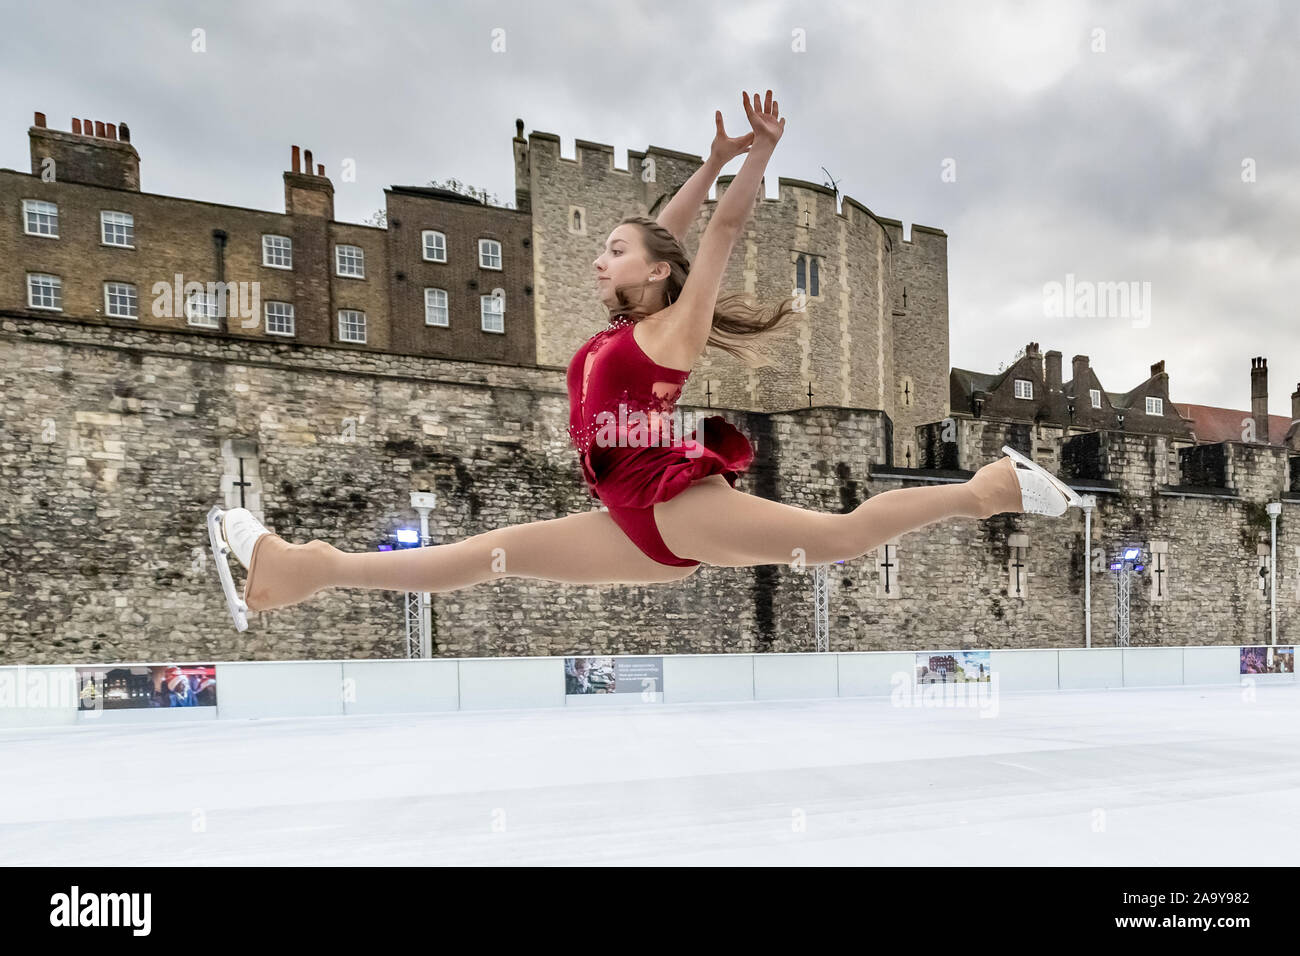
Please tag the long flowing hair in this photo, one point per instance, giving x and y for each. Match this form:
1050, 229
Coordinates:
735, 314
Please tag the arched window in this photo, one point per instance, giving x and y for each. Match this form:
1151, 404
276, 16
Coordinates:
800, 274
813, 288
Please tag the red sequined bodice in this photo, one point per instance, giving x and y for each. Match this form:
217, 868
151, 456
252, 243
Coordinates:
612, 374
636, 448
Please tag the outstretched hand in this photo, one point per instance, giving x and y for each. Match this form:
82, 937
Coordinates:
768, 127
726, 148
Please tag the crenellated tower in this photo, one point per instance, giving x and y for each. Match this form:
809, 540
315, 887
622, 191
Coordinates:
873, 333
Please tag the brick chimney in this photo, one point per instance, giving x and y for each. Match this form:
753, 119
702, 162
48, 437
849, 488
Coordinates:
1259, 397
1053, 370
1082, 381
1158, 368
1293, 433
92, 154
306, 194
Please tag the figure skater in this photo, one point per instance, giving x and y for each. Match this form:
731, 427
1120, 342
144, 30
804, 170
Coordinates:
671, 506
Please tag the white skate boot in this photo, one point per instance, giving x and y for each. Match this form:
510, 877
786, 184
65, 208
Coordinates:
1041, 492
234, 531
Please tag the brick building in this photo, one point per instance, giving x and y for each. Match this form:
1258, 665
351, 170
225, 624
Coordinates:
449, 277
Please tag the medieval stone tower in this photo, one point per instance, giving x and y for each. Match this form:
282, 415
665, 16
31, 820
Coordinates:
873, 333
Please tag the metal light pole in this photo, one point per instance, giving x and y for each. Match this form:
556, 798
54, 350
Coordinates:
424, 502
1131, 559
1274, 509
1089, 502
821, 607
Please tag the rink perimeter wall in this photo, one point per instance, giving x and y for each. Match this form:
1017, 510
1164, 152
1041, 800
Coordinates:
46, 695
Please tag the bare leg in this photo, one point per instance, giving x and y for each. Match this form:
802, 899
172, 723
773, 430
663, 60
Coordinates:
714, 523
586, 548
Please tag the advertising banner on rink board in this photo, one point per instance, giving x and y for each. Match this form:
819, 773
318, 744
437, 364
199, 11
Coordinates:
952, 667
145, 685
613, 675
1268, 660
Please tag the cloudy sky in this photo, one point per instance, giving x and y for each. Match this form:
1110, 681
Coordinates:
1153, 144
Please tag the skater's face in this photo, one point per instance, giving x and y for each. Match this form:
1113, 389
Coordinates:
623, 264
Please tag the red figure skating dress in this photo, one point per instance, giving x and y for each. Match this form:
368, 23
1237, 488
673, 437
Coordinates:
622, 421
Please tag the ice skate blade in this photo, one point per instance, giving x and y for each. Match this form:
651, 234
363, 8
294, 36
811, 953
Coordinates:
238, 609
1071, 496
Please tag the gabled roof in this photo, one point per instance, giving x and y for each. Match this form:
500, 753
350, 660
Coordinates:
1212, 424
967, 382
434, 192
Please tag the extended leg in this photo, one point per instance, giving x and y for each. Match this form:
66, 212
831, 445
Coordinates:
714, 523
586, 548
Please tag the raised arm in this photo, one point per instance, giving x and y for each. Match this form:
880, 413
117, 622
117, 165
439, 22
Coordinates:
685, 204
693, 310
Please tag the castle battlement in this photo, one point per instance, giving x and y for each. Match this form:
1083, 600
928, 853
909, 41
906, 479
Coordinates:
590, 154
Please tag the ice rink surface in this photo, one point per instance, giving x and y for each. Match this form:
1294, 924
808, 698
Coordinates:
1173, 777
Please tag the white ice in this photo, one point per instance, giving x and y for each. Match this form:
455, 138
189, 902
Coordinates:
1175, 777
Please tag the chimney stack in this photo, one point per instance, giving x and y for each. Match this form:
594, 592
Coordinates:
1158, 368
1293, 433
1054, 370
307, 191
107, 161
1259, 397
1082, 380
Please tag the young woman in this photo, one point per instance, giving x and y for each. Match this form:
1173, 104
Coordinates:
672, 505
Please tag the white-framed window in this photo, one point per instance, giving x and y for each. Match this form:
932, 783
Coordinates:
435, 246
352, 325
489, 254
117, 229
277, 252
350, 262
435, 308
201, 310
121, 301
1095, 395
279, 318
1155, 406
1024, 388
40, 218
492, 311
44, 291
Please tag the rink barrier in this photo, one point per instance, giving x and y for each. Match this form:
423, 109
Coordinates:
38, 695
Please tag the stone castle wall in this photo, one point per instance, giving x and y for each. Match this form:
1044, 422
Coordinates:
114, 443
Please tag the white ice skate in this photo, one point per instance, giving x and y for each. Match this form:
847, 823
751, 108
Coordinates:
234, 531
1041, 492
